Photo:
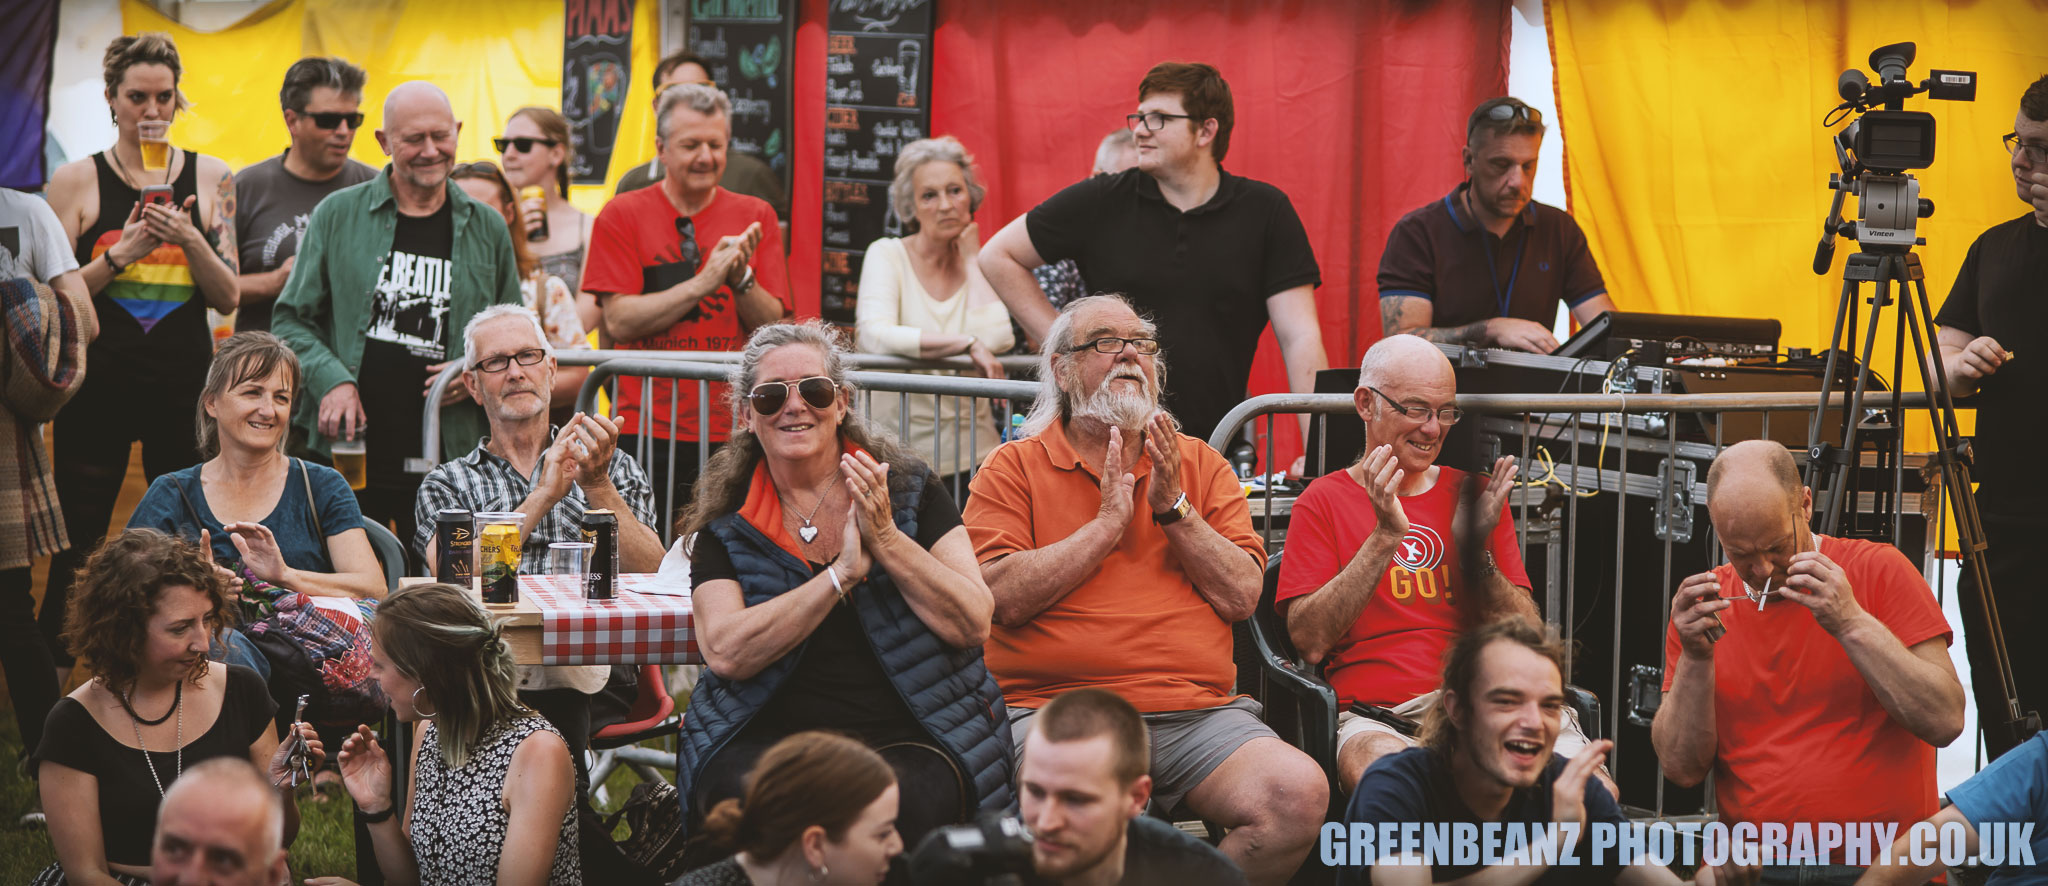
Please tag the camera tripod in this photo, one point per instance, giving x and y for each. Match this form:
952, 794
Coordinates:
1835, 471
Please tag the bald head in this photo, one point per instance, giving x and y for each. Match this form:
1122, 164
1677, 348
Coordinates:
418, 134
415, 97
1404, 357
220, 822
1760, 511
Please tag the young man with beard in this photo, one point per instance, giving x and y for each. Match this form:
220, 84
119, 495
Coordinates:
395, 267
322, 98
1119, 552
1487, 758
1083, 786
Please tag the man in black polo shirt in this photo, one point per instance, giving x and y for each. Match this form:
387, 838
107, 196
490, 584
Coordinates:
1209, 255
1487, 265
1998, 291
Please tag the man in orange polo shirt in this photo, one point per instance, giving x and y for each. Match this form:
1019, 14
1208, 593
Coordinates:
1829, 685
1119, 551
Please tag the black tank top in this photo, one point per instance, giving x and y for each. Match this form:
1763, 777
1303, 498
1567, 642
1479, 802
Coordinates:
152, 318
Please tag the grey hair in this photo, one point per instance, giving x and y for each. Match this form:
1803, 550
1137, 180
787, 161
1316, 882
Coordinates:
492, 313
313, 72
212, 782
707, 100
746, 373
1113, 144
1053, 402
944, 149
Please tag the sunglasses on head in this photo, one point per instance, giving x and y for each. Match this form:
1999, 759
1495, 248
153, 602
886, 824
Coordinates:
523, 143
334, 119
768, 397
1509, 110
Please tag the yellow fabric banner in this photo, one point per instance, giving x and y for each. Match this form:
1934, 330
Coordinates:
490, 58
1699, 170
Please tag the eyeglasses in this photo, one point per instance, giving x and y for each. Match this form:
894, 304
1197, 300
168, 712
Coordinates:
523, 143
500, 363
1446, 416
769, 396
2036, 153
334, 119
1153, 121
1114, 345
1511, 109
690, 255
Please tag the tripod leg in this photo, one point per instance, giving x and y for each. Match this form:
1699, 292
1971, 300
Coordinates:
1842, 491
1843, 306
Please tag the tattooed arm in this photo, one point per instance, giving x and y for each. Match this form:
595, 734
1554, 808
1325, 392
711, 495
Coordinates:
214, 269
1412, 314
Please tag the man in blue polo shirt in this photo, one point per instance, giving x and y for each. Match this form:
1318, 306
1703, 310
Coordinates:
1487, 265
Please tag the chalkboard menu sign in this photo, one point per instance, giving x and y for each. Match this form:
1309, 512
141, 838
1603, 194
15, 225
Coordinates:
746, 44
877, 88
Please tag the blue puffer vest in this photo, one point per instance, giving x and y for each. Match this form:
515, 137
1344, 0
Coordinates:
949, 690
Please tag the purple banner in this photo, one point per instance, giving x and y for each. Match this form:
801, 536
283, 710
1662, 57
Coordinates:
25, 92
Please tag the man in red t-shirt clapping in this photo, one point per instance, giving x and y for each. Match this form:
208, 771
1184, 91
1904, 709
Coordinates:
1373, 585
687, 266
1810, 674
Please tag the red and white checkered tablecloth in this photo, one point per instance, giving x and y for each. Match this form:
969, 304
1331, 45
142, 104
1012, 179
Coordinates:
633, 628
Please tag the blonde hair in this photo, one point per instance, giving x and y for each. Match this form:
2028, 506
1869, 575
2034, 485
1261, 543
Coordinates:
437, 636
146, 48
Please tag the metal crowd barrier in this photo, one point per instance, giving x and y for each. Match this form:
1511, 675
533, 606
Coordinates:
1642, 425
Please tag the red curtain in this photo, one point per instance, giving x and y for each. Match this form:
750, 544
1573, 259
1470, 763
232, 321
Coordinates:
1355, 109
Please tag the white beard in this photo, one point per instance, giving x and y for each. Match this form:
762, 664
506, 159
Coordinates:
1119, 407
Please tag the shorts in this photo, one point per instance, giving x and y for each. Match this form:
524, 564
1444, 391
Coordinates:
1571, 738
1186, 745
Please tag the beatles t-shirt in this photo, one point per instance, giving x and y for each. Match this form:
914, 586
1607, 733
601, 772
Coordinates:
407, 333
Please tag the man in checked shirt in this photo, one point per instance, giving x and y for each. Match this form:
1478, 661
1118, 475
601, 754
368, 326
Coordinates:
552, 476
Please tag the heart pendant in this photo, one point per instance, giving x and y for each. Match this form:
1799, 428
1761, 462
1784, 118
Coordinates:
807, 532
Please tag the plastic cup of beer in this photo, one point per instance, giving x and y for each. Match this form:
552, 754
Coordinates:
352, 460
156, 144
498, 545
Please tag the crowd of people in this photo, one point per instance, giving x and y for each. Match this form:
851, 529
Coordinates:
894, 644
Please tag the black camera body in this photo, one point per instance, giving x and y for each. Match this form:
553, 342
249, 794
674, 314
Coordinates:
1877, 148
994, 850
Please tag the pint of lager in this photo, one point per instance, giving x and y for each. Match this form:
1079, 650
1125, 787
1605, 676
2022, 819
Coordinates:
351, 459
156, 146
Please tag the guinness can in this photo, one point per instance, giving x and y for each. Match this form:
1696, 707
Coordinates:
455, 545
601, 530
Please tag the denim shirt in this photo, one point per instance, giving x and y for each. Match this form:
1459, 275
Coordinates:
325, 306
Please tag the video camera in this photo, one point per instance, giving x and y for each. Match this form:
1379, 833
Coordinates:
1877, 148
994, 850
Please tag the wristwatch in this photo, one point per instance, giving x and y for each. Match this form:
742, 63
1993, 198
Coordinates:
746, 283
1174, 514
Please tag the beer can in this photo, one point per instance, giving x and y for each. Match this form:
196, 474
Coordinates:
534, 192
455, 545
497, 549
601, 530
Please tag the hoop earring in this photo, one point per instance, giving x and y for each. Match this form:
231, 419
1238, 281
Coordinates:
821, 873
416, 706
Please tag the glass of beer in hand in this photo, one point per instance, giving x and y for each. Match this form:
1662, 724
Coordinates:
156, 143
352, 460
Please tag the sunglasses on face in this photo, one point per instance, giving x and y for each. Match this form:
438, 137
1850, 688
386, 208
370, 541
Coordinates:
334, 119
769, 397
524, 144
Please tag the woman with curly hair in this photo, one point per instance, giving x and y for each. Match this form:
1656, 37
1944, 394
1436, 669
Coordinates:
491, 793
144, 608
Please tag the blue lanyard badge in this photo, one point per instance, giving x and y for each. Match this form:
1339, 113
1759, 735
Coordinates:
1501, 296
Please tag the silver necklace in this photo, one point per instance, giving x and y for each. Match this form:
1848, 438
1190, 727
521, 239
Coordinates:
808, 532
179, 706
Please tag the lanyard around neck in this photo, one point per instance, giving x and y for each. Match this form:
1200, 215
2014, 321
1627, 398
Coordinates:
1501, 296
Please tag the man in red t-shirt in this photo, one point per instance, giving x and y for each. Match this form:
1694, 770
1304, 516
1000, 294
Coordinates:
1372, 584
1810, 674
688, 266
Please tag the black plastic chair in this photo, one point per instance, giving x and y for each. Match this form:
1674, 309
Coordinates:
390, 553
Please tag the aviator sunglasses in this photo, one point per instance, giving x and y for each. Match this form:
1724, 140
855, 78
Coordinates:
768, 397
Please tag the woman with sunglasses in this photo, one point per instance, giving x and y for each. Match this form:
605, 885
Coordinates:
546, 293
835, 588
537, 152
922, 296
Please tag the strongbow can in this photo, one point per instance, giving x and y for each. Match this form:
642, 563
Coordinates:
455, 545
601, 530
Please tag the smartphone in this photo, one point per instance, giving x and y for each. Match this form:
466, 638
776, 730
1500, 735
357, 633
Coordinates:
156, 195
